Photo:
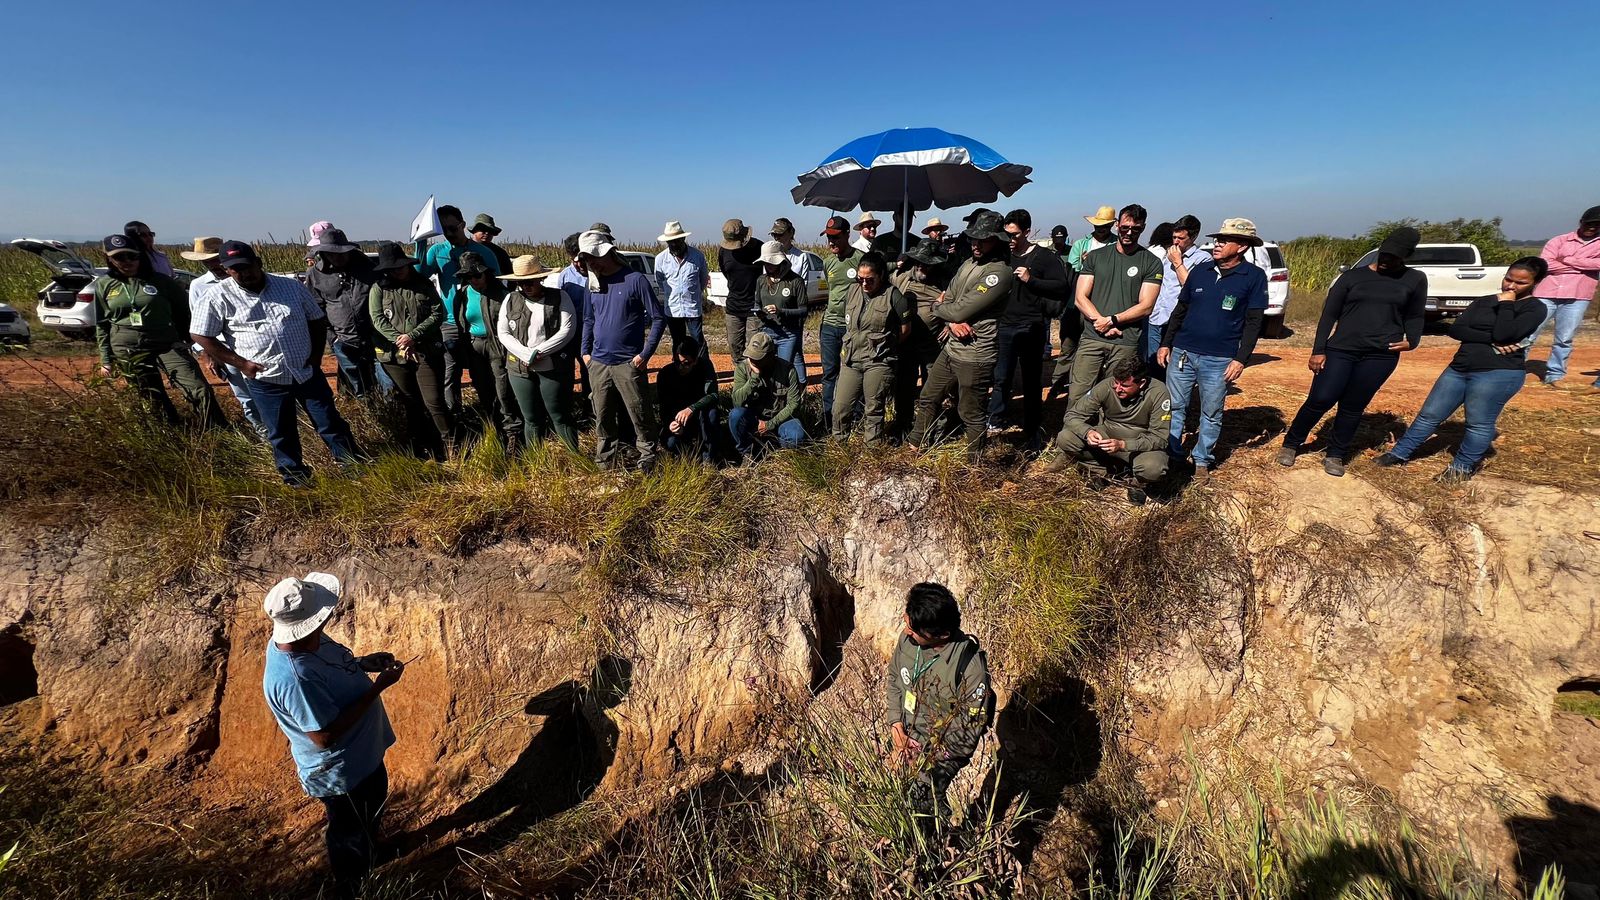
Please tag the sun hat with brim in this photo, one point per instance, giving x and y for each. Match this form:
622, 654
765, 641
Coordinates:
760, 347
528, 268
1105, 215
867, 219
772, 254
673, 232
334, 241
927, 254
987, 226
1241, 230
470, 265
392, 256
204, 248
595, 243
484, 222
934, 225
299, 606
734, 234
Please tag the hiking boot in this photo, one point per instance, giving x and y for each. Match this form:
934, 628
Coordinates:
1453, 475
1050, 464
1333, 465
1286, 456
1137, 496
1202, 473
1387, 460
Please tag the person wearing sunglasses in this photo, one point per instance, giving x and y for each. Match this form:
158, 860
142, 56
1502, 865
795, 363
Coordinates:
1116, 290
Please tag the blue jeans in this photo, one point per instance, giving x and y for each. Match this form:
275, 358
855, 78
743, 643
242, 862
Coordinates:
696, 436
789, 350
1186, 370
277, 404
1483, 394
693, 326
742, 423
831, 339
1152, 343
1568, 315
360, 370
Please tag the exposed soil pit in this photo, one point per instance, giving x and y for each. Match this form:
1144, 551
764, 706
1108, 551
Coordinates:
18, 678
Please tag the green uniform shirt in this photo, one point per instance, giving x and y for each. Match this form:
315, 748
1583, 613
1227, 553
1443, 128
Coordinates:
139, 314
840, 273
976, 296
414, 309
920, 296
1143, 423
774, 398
1117, 280
942, 697
872, 326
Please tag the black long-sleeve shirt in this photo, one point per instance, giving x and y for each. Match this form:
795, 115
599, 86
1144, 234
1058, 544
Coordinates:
1372, 310
1488, 322
1047, 280
741, 269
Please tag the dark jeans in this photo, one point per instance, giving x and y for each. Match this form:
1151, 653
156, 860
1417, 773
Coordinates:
421, 388
831, 339
503, 401
1348, 380
697, 436
352, 830
692, 326
453, 341
970, 382
738, 327
358, 369
1484, 394
1019, 349
487, 407
545, 399
277, 402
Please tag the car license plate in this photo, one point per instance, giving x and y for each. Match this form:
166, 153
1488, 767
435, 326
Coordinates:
52, 318
1463, 301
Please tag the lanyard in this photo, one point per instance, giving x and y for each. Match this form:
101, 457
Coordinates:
919, 668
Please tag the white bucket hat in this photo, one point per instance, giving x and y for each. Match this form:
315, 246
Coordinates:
595, 243
673, 232
772, 254
299, 606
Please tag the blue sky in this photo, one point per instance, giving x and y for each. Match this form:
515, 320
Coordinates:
1308, 118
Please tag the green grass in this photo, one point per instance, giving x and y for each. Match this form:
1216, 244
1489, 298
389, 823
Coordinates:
1581, 703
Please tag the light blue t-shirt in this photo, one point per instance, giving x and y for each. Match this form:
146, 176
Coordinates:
306, 692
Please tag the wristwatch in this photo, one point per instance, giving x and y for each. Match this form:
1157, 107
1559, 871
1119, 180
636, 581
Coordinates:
1114, 322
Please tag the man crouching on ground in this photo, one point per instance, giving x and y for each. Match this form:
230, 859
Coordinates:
332, 715
939, 700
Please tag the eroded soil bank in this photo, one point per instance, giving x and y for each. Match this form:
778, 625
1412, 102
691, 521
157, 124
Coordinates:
1368, 644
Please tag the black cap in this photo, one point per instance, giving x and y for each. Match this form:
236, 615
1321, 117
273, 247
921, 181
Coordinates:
1060, 230
978, 212
237, 253
836, 225
1401, 242
119, 243
1591, 216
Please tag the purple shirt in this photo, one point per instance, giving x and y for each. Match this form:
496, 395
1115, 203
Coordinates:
614, 319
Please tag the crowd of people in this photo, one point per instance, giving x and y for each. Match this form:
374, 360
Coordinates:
923, 339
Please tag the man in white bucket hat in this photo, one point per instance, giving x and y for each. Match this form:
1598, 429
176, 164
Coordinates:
330, 711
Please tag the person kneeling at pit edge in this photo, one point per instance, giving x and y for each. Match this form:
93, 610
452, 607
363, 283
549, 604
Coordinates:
1122, 423
766, 398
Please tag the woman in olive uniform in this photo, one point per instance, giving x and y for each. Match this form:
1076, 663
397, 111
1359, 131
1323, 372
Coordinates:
142, 327
406, 312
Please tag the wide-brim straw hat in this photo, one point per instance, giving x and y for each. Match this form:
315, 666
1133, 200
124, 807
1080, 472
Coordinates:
299, 606
1241, 230
674, 231
204, 248
529, 268
1105, 215
867, 219
934, 224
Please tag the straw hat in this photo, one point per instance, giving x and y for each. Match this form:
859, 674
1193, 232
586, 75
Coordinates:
204, 248
1105, 215
867, 219
1241, 230
299, 606
673, 232
528, 268
934, 225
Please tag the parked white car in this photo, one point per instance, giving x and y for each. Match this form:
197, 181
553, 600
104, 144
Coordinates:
66, 303
13, 327
816, 286
1455, 272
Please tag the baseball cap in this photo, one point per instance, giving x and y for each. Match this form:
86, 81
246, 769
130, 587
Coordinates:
237, 253
118, 243
782, 226
836, 225
1059, 231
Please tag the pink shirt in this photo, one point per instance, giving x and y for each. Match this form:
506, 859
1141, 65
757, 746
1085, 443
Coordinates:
1574, 268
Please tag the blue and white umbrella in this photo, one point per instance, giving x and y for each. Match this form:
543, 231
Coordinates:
911, 169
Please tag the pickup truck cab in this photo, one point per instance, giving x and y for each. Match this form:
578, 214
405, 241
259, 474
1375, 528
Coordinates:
1455, 272
816, 286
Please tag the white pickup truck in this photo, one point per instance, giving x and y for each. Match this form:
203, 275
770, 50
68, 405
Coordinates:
1456, 275
816, 288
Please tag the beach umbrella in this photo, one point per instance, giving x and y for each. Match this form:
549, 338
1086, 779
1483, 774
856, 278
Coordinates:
910, 169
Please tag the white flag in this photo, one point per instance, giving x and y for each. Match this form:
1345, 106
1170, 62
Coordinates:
426, 224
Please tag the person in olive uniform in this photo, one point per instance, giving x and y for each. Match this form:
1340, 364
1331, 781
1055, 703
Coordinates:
406, 313
780, 305
1121, 423
969, 311
1116, 288
920, 277
766, 397
479, 307
142, 327
939, 699
839, 270
877, 322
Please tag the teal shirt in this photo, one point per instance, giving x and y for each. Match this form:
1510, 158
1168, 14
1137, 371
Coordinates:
476, 326
442, 260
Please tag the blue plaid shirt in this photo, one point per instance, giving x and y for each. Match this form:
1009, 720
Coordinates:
271, 328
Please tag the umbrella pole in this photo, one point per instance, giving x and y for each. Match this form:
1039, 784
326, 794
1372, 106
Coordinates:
905, 205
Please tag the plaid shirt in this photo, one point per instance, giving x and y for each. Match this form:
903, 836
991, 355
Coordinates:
271, 328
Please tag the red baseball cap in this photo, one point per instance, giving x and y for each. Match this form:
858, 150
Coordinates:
837, 225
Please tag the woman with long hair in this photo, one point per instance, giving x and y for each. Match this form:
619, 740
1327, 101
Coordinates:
1484, 375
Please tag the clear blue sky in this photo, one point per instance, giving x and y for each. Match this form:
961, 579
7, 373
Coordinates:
247, 119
